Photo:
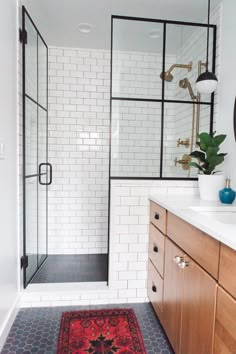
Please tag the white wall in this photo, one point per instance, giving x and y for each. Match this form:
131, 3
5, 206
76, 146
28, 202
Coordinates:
227, 86
8, 167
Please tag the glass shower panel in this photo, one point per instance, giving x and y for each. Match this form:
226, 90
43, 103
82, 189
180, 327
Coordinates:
31, 190
42, 73
30, 138
35, 117
31, 60
42, 189
135, 139
185, 60
182, 123
137, 59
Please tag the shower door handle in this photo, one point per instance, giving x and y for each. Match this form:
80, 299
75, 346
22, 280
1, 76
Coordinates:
50, 174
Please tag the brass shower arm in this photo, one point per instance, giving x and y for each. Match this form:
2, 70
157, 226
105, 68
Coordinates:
182, 66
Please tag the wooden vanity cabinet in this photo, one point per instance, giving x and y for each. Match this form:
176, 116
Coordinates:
173, 289
188, 303
198, 309
192, 285
225, 332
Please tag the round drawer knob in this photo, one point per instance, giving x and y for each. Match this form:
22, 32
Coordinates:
154, 288
183, 265
177, 259
157, 216
155, 248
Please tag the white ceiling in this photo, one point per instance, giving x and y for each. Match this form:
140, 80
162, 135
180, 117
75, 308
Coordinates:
58, 20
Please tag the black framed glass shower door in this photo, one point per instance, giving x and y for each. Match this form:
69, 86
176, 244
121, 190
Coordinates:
37, 171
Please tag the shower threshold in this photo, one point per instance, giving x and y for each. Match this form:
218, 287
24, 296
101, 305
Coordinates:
73, 269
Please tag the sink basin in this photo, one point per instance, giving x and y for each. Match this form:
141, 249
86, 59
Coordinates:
223, 214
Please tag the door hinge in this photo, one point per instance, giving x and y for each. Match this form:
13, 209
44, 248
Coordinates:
23, 36
24, 261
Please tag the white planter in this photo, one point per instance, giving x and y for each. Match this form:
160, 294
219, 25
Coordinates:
210, 185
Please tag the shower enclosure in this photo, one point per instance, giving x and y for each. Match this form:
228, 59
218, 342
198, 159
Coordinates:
144, 129
65, 236
156, 112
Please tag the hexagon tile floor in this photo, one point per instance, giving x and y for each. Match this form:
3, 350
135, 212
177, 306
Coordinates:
36, 330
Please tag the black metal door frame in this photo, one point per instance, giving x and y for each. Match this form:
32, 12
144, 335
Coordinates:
25, 95
162, 100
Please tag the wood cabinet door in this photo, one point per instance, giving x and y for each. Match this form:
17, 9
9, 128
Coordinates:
172, 299
198, 311
225, 332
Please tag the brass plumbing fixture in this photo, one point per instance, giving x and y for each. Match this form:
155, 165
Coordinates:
184, 162
185, 84
200, 66
167, 76
185, 142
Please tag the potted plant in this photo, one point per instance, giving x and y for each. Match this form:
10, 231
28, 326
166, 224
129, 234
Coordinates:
210, 183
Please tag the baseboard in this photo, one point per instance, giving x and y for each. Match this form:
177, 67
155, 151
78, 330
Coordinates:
8, 322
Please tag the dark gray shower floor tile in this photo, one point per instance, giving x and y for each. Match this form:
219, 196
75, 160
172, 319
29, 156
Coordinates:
36, 330
73, 268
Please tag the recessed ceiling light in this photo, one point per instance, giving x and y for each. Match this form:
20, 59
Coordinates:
154, 33
85, 27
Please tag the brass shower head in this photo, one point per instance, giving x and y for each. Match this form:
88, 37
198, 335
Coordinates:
167, 76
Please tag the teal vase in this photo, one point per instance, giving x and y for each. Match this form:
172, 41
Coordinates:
227, 195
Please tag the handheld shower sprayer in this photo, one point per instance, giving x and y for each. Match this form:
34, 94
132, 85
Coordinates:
185, 84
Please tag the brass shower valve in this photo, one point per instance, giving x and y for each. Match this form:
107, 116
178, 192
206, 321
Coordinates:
185, 143
184, 162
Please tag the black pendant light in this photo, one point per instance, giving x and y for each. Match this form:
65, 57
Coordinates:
207, 82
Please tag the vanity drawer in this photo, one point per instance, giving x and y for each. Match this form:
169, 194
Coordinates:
155, 289
156, 248
158, 216
227, 274
199, 246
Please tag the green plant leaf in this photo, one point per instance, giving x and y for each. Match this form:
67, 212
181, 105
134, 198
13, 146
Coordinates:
215, 161
194, 164
205, 140
219, 139
211, 152
198, 155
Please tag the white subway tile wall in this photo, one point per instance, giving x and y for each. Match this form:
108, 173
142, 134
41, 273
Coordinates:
79, 106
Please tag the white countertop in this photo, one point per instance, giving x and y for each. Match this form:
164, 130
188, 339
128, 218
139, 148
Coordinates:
180, 205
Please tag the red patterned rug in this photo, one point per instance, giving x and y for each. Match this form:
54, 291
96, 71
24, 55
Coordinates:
100, 332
